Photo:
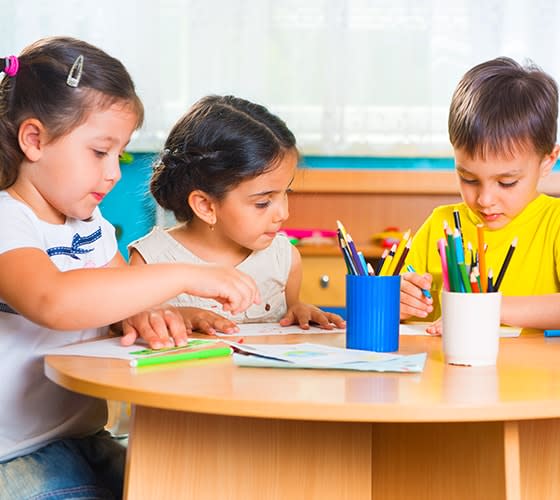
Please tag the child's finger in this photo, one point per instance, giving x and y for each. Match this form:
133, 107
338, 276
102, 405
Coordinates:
435, 328
204, 326
129, 334
176, 327
154, 331
225, 325
288, 319
322, 319
336, 320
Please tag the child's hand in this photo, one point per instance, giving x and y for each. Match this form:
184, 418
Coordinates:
303, 314
435, 327
413, 301
236, 291
205, 321
160, 327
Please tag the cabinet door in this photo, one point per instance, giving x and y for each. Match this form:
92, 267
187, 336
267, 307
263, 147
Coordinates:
323, 281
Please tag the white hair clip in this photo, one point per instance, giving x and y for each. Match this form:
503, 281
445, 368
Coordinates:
75, 73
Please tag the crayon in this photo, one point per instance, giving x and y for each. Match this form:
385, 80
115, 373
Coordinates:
181, 356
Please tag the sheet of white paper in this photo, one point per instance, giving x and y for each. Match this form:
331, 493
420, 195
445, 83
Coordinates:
112, 348
259, 329
307, 355
420, 329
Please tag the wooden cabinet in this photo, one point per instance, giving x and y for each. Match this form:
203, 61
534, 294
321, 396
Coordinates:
324, 274
323, 280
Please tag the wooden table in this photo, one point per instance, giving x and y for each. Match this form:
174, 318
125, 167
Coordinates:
211, 430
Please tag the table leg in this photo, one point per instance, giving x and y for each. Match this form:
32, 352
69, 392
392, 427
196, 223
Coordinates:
539, 444
512, 462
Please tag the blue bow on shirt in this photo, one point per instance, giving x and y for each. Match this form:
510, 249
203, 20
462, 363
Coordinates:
77, 242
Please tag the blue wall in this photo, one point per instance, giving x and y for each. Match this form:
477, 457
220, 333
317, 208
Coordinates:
130, 206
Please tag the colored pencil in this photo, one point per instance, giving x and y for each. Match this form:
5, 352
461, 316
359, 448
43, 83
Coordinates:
379, 265
352, 253
400, 249
362, 271
363, 262
481, 256
490, 286
370, 270
454, 277
505, 265
457, 219
443, 257
459, 246
388, 259
346, 254
474, 283
402, 258
425, 291
470, 265
464, 277
445, 226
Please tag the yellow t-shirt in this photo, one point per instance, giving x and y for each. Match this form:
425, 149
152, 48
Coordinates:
534, 268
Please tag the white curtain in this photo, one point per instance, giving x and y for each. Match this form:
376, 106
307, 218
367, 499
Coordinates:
350, 77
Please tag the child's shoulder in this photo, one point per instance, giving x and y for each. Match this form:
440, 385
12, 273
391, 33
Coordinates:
156, 236
14, 211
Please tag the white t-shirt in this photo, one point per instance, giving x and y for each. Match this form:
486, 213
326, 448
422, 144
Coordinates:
34, 410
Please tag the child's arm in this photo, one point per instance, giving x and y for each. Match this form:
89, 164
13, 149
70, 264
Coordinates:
32, 285
535, 311
413, 301
161, 326
300, 313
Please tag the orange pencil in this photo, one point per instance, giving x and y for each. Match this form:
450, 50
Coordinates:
482, 257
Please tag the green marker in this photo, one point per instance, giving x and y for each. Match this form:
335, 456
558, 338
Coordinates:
181, 356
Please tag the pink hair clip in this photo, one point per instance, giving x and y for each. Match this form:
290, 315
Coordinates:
11, 65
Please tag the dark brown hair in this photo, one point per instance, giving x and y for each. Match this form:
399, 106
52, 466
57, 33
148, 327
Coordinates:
39, 90
219, 143
501, 107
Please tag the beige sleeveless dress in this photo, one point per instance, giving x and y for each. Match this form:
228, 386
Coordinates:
269, 268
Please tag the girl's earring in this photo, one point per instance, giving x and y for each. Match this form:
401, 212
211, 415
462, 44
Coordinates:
211, 226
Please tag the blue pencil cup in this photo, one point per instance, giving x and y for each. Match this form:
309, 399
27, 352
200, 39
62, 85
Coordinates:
373, 313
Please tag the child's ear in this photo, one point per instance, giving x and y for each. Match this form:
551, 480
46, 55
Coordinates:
203, 206
549, 161
32, 136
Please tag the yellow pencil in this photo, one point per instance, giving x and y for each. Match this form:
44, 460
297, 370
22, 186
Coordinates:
398, 253
388, 260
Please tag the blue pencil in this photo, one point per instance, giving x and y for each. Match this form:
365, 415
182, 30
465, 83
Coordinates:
425, 292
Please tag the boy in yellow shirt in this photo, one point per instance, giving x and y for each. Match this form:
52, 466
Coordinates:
502, 126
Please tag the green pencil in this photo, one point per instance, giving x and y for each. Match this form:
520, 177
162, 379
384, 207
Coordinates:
181, 356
